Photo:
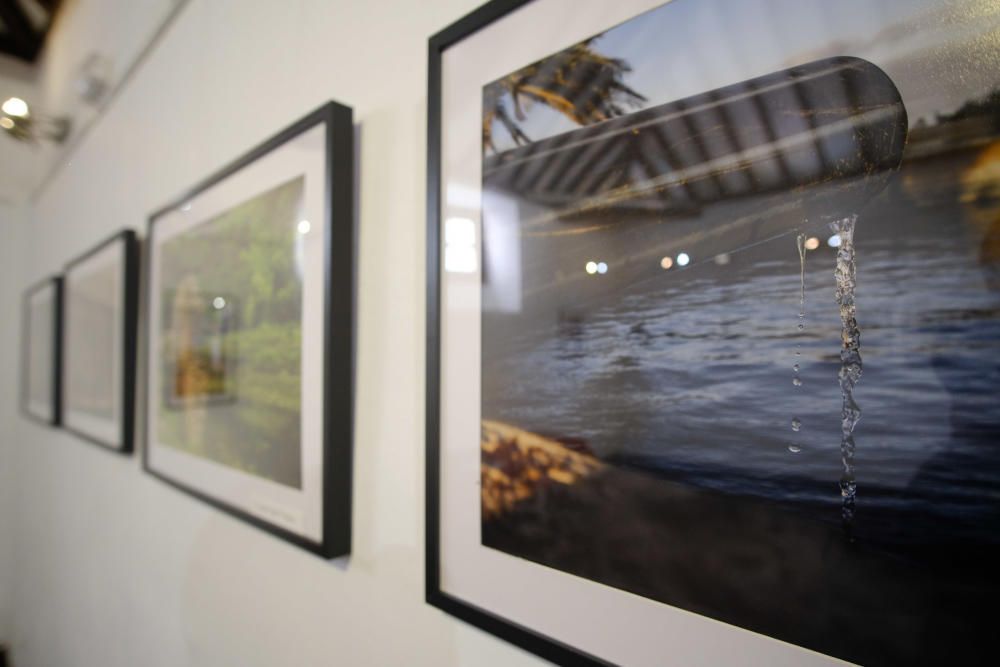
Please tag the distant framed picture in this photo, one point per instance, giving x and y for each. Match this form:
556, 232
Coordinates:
250, 325
100, 312
41, 331
714, 330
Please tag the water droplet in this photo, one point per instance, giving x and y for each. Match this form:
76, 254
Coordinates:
796, 424
797, 382
798, 353
794, 449
795, 368
801, 326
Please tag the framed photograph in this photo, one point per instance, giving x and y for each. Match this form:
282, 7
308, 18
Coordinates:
100, 311
41, 331
714, 330
251, 328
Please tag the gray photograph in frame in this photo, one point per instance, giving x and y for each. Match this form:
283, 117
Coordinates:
249, 361
100, 304
41, 327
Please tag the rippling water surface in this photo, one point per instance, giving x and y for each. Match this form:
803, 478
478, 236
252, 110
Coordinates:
689, 377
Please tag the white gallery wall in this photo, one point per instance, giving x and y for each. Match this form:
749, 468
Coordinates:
101, 564
11, 275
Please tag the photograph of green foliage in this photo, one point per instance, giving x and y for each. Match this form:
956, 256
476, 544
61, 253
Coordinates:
249, 361
231, 337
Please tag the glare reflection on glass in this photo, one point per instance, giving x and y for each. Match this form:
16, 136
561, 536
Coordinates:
602, 268
16, 107
812, 243
459, 232
722, 258
834, 241
186, 207
666, 263
683, 259
460, 246
591, 268
218, 303
6, 123
304, 227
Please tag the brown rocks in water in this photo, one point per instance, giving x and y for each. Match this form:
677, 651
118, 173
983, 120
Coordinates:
516, 464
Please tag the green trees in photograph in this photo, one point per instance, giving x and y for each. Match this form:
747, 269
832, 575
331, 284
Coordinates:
231, 307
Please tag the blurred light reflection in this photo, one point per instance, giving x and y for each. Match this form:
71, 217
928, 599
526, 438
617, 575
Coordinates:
460, 254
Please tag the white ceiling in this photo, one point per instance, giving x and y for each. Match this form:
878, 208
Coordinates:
119, 31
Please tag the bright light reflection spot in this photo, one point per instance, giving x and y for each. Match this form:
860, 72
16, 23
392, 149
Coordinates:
812, 243
683, 259
460, 259
666, 263
591, 268
219, 303
459, 232
722, 258
16, 107
186, 207
460, 254
304, 226
602, 267
834, 241
6, 123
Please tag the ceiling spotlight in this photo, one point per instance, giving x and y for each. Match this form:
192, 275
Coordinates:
18, 121
16, 107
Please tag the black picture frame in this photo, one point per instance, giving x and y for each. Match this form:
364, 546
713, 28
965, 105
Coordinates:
55, 283
537, 643
893, 170
338, 299
130, 337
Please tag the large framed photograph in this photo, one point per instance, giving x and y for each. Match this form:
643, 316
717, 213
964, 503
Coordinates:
100, 304
41, 332
251, 328
714, 330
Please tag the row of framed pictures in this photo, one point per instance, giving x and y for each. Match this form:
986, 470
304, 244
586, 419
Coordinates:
248, 337
641, 401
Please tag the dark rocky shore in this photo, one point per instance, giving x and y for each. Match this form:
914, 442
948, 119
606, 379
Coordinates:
738, 560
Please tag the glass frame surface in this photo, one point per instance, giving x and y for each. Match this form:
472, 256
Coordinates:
55, 284
333, 324
122, 423
447, 351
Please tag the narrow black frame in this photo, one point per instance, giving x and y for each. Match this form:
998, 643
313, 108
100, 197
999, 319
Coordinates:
537, 643
338, 304
55, 283
130, 337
